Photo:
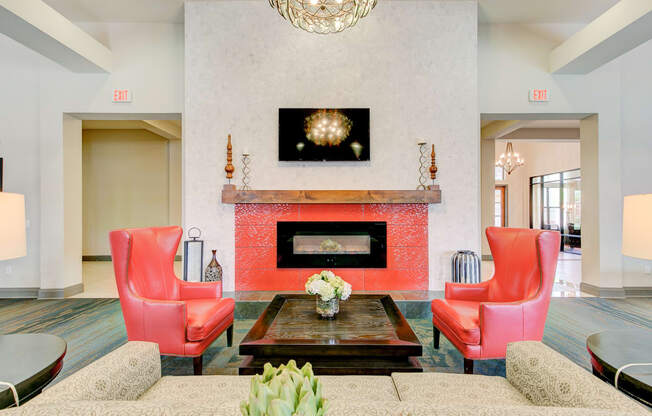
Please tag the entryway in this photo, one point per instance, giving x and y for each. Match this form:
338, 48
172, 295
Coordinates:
128, 175
537, 183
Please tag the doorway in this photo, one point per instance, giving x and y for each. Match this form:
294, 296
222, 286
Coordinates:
545, 192
129, 177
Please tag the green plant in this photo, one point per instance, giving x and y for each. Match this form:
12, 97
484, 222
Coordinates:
285, 391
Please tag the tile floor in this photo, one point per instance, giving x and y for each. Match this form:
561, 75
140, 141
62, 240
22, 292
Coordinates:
99, 281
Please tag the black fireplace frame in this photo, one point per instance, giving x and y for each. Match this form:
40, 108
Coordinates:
286, 230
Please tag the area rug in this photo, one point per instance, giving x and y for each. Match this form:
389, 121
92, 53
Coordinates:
94, 327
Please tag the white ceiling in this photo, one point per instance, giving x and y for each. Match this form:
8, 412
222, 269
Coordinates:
490, 11
542, 11
135, 11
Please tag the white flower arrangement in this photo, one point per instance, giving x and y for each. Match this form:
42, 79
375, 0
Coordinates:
328, 286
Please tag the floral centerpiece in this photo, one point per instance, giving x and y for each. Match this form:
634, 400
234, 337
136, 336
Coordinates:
329, 289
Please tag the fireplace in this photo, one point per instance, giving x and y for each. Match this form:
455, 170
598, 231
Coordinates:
348, 244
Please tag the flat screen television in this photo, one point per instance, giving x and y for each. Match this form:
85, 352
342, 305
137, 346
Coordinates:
323, 134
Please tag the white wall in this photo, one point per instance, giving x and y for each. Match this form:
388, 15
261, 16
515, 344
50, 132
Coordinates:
541, 158
126, 184
513, 60
72, 189
636, 85
19, 146
413, 63
148, 58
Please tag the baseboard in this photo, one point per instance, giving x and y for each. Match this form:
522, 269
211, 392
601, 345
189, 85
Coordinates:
603, 292
61, 293
19, 293
638, 291
108, 258
96, 258
487, 257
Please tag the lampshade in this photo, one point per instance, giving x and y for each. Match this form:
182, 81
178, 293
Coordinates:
637, 226
12, 226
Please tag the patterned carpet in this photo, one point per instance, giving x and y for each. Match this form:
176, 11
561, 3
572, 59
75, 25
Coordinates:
93, 327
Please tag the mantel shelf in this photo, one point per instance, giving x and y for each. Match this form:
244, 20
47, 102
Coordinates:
230, 195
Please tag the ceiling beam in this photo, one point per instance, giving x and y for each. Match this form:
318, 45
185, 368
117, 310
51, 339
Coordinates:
534, 133
41, 28
165, 128
499, 128
620, 29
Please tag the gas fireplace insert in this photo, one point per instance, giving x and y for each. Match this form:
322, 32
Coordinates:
350, 244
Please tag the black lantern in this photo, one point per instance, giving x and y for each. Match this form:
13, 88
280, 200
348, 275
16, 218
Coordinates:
193, 256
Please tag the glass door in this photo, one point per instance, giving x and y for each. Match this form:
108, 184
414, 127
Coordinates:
572, 212
556, 204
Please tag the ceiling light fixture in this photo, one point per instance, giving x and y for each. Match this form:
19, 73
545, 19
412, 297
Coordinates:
323, 16
510, 160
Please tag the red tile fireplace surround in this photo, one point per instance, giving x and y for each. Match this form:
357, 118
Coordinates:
407, 245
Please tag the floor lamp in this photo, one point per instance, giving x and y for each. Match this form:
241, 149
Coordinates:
637, 226
12, 226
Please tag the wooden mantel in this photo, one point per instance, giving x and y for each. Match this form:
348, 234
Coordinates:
230, 195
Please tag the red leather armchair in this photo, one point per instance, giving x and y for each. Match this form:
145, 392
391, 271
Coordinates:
183, 318
481, 319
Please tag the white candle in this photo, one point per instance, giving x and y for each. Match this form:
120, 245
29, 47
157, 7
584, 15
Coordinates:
246, 152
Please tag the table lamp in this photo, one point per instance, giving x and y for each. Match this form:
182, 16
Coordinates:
637, 226
12, 226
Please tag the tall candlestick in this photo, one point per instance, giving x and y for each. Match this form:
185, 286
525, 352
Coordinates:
229, 159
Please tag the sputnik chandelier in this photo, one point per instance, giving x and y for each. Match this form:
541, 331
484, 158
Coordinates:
323, 16
510, 160
327, 128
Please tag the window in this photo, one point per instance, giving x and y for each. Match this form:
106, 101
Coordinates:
556, 204
500, 211
499, 174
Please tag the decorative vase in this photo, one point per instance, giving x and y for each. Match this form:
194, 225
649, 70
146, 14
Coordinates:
328, 309
213, 272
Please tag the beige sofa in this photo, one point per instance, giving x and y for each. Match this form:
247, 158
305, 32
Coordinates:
539, 382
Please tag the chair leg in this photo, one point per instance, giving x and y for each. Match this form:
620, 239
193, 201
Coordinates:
229, 336
435, 337
468, 366
197, 365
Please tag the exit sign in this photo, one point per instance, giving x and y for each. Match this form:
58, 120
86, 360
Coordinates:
121, 96
539, 95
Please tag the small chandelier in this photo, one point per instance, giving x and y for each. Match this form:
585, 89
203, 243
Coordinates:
323, 16
510, 160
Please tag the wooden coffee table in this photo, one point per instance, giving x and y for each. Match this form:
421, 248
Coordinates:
369, 336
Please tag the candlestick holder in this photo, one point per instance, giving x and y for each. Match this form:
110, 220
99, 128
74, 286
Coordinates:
246, 159
229, 169
423, 165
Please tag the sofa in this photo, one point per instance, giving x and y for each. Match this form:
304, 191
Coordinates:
539, 382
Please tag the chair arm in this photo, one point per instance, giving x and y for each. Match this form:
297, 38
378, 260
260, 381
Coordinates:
501, 323
200, 290
478, 292
547, 378
123, 374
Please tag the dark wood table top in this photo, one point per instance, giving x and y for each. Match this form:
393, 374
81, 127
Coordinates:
29, 362
368, 325
612, 349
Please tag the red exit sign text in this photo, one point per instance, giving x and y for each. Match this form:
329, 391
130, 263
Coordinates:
539, 95
121, 96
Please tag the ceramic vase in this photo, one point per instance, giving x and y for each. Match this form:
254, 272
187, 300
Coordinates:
213, 272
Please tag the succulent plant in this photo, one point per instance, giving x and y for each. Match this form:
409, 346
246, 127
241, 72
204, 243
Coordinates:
285, 391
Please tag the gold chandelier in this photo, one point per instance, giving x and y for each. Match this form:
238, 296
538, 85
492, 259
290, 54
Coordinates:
510, 160
323, 16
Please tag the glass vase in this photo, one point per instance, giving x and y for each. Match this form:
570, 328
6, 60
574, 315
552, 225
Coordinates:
327, 309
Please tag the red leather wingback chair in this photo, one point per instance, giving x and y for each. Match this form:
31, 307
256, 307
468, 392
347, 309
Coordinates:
480, 319
183, 318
